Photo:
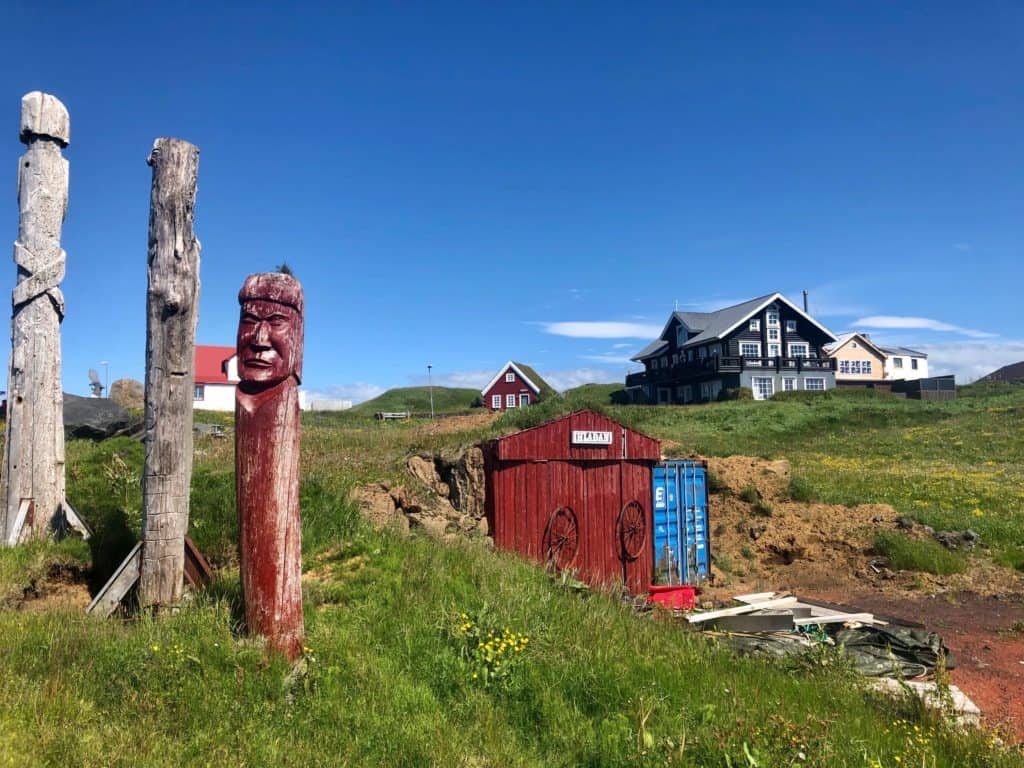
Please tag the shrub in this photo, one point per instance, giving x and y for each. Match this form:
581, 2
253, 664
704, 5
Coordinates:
800, 489
736, 393
750, 494
906, 554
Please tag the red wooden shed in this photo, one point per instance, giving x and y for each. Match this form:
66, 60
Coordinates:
576, 493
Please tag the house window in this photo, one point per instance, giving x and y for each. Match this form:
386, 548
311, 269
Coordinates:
750, 349
510, 377
773, 334
788, 384
702, 352
844, 366
716, 350
689, 355
773, 318
680, 336
817, 385
798, 350
510, 401
791, 326
664, 362
687, 393
865, 366
774, 350
705, 391
855, 367
755, 324
897, 362
524, 399
199, 393
763, 386
913, 363
675, 358
496, 402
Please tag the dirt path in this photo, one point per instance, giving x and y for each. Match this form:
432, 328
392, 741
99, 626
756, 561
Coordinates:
985, 634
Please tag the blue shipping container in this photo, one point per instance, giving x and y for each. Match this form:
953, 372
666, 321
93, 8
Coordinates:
681, 549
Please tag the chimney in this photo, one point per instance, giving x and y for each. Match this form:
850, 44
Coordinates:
805, 303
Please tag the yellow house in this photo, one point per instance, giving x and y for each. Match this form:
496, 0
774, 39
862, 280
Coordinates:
858, 361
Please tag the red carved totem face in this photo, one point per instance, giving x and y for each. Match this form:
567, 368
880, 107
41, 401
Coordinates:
267, 343
270, 331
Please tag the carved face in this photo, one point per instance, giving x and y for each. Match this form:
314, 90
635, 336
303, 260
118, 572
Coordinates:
269, 342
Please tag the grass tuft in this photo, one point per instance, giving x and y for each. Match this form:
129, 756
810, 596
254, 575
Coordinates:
906, 554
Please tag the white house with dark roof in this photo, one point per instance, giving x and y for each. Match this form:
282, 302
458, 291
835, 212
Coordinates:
904, 363
767, 344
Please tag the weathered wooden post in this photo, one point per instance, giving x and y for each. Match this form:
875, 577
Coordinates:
33, 470
172, 313
270, 331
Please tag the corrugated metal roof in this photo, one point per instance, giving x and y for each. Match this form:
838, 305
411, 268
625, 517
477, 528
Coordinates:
903, 351
210, 364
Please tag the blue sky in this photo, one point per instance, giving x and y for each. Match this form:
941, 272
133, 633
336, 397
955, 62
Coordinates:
461, 184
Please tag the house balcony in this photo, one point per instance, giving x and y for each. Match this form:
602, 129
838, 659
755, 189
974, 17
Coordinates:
709, 366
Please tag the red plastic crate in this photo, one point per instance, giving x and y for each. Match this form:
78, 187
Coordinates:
681, 597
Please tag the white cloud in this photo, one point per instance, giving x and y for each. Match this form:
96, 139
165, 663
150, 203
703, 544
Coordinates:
970, 360
609, 359
575, 377
626, 345
603, 330
357, 392
463, 379
921, 323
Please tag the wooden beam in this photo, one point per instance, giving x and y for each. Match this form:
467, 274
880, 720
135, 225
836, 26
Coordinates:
838, 618
172, 314
33, 467
113, 592
782, 602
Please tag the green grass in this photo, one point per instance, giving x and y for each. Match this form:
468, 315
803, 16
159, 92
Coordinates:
389, 678
906, 554
417, 400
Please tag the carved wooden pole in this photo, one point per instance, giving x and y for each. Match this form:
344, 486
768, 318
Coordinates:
270, 332
172, 313
33, 470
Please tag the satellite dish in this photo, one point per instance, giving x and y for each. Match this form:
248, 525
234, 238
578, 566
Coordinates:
94, 383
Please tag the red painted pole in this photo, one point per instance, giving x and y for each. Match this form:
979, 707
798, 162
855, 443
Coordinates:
270, 332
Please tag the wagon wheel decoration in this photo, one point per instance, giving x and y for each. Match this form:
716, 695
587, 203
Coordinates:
632, 530
561, 538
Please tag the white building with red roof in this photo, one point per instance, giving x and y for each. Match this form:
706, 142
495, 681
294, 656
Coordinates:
216, 378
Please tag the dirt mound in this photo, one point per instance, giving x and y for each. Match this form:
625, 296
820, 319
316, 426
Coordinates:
763, 540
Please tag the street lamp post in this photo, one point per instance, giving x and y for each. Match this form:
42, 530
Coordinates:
430, 384
106, 377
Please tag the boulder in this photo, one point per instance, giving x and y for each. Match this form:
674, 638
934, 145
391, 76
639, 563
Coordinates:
465, 479
128, 393
377, 504
97, 418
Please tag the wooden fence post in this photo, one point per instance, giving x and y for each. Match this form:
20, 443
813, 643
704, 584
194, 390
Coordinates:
270, 332
172, 313
33, 469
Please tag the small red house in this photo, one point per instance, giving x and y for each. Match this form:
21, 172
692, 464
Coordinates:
515, 386
575, 493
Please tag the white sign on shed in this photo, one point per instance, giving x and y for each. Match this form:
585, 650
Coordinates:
591, 437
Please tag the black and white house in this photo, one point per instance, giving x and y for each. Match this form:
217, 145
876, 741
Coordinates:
767, 344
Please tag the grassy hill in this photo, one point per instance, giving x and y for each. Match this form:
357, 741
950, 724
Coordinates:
417, 400
394, 672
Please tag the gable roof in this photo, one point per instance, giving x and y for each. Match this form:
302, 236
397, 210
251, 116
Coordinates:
211, 364
533, 379
903, 351
712, 326
845, 338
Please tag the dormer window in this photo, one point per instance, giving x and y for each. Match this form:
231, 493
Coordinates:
680, 335
773, 318
755, 324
